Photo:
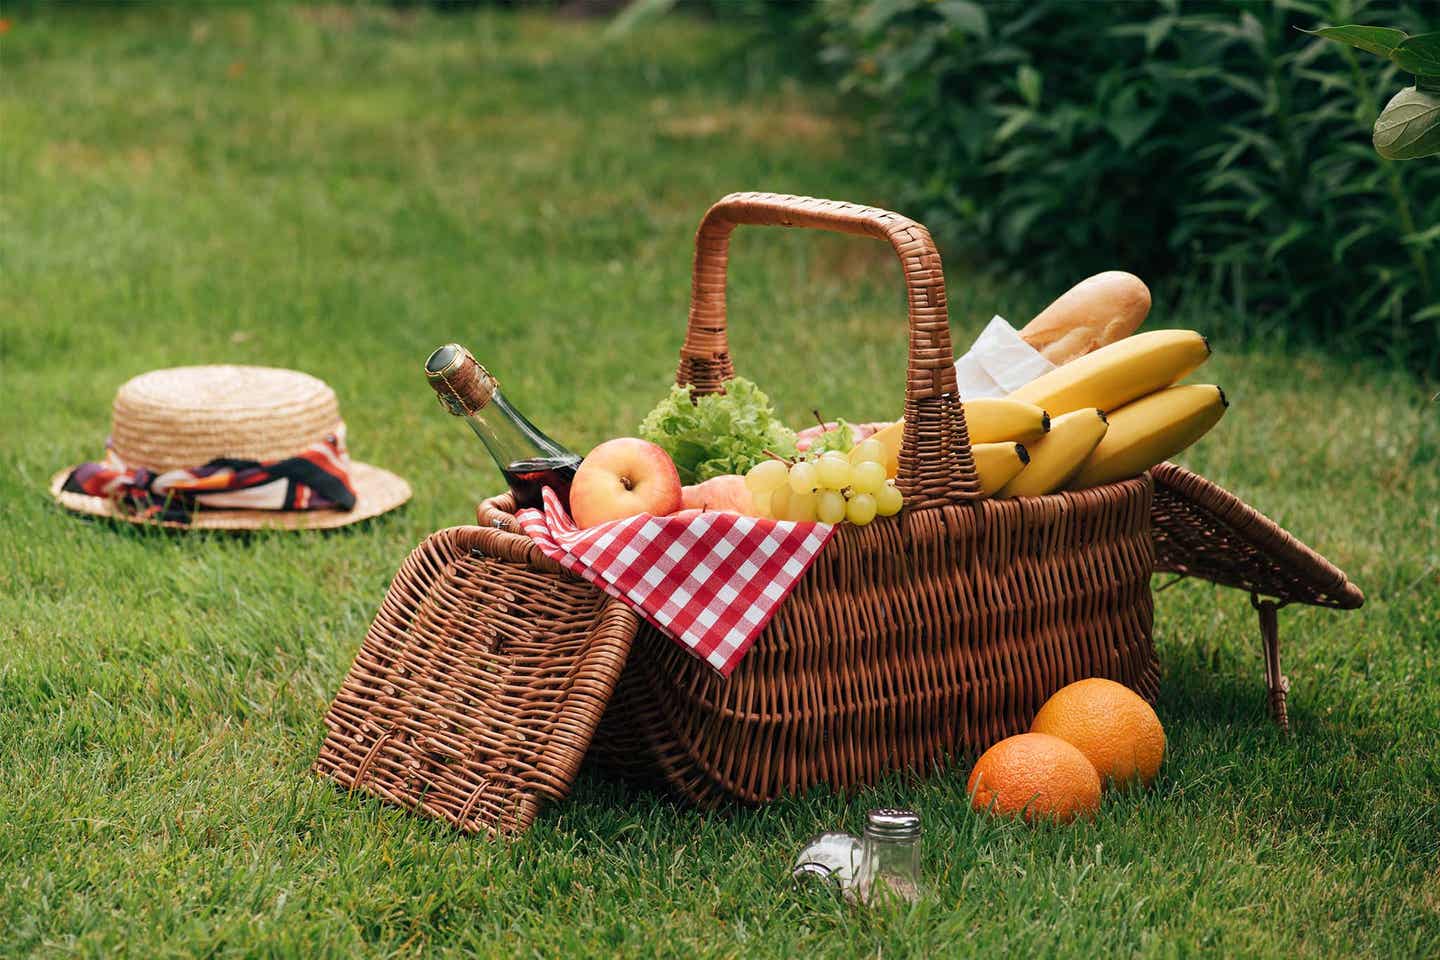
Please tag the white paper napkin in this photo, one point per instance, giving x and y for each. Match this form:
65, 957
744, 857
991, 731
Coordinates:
999, 362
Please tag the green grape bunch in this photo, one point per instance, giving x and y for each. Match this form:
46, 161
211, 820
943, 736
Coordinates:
829, 486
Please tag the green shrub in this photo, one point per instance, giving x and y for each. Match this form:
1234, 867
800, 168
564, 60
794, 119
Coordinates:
1215, 145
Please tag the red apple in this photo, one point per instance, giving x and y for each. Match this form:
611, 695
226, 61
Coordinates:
623, 477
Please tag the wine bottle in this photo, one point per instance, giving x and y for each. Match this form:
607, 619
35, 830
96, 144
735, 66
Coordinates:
528, 458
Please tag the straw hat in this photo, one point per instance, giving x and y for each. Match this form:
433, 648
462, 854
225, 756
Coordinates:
187, 416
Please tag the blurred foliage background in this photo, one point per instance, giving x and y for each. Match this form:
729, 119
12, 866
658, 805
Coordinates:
1210, 147
1207, 145
1213, 145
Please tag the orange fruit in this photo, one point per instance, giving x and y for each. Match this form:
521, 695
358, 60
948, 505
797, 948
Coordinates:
1111, 724
1036, 775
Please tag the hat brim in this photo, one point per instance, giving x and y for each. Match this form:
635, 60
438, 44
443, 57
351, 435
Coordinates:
377, 491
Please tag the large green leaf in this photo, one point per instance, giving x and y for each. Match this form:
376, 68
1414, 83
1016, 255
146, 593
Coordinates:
1409, 126
1381, 40
1419, 54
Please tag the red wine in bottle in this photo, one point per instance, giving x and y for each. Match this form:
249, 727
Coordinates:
528, 477
528, 458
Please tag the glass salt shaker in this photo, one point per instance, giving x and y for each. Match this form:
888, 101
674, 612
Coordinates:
890, 857
831, 857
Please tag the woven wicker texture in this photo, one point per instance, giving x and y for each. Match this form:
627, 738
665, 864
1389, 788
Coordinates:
479, 685
1204, 531
936, 466
909, 642
187, 416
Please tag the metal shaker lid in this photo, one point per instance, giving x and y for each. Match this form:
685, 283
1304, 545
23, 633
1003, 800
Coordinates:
893, 824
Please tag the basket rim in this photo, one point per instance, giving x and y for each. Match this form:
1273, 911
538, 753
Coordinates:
498, 511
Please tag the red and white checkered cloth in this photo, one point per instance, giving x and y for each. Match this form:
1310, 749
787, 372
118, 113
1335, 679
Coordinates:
710, 581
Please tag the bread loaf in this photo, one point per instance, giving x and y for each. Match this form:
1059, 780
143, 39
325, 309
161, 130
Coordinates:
1096, 311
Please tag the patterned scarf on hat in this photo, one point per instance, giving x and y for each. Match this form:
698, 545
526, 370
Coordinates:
316, 478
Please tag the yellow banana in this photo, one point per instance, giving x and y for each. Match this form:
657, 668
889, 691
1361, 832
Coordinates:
1114, 375
989, 420
998, 463
1150, 430
1057, 456
993, 419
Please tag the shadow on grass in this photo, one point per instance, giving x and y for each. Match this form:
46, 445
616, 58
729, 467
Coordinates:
1207, 699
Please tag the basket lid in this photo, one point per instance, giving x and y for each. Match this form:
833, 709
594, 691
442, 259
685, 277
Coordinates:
1202, 530
479, 685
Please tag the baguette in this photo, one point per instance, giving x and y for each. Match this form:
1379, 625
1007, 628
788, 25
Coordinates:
1095, 312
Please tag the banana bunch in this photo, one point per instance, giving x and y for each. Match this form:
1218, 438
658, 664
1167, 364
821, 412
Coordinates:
1116, 413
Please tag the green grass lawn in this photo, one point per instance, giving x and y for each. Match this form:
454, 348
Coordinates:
341, 191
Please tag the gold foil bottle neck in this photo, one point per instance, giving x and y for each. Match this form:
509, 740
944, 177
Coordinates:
463, 384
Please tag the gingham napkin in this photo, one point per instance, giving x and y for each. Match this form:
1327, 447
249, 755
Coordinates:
709, 581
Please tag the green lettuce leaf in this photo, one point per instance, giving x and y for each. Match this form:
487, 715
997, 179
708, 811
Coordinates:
717, 434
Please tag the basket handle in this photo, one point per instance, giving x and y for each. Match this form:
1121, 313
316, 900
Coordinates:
936, 466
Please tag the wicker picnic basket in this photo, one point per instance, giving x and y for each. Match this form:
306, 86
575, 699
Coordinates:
490, 673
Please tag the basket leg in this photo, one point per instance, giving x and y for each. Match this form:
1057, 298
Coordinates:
1276, 683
